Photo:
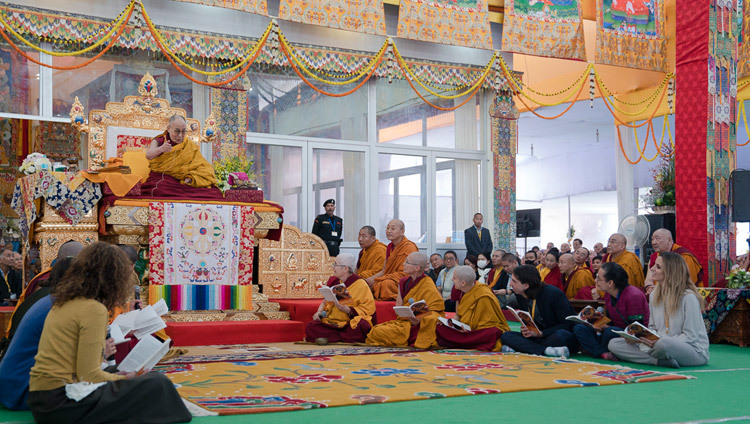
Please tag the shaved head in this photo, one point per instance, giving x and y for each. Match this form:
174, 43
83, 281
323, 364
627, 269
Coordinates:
566, 263
616, 244
661, 240
69, 249
418, 258
394, 231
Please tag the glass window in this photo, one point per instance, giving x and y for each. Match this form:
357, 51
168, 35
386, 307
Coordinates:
402, 193
457, 197
278, 171
110, 79
19, 82
340, 175
404, 118
284, 104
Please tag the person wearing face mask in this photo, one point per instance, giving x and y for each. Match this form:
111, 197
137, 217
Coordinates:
530, 258
483, 266
676, 315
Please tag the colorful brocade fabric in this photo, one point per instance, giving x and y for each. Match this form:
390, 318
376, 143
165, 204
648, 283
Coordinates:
259, 7
631, 34
550, 29
718, 304
72, 199
365, 16
743, 46
458, 22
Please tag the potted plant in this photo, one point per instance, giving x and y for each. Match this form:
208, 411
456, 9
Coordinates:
661, 197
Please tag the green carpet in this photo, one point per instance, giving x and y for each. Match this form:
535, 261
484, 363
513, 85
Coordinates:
719, 391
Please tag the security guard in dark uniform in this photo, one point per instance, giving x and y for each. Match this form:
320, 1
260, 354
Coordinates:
329, 228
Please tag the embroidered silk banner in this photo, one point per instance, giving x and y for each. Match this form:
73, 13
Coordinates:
361, 16
544, 28
195, 243
229, 107
259, 7
458, 22
743, 45
57, 140
631, 34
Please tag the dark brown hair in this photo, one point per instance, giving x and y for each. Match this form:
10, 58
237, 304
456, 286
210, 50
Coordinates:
101, 272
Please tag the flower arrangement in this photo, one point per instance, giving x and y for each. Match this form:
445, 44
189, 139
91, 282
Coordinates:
35, 162
571, 233
738, 278
234, 172
663, 191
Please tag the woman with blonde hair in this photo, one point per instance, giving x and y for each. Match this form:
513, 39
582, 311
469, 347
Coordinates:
676, 315
67, 383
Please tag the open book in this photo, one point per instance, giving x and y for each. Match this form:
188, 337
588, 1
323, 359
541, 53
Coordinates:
414, 310
454, 324
116, 333
142, 322
145, 355
335, 294
636, 330
591, 317
525, 319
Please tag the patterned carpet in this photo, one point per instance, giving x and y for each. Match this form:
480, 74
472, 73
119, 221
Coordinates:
242, 387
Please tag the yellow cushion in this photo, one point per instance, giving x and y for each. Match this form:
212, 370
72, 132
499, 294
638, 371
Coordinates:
137, 162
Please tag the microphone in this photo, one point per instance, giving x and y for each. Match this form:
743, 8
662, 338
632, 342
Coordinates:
323, 314
411, 300
600, 310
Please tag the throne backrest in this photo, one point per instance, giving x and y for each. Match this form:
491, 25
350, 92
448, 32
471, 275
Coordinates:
130, 124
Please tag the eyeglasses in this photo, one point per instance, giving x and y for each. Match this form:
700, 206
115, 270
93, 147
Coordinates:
178, 132
409, 263
335, 265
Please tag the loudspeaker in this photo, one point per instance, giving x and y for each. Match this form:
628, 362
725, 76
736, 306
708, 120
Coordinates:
740, 186
528, 223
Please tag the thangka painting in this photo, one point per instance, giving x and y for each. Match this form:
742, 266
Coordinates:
743, 45
550, 28
259, 7
57, 140
361, 16
458, 22
201, 244
631, 33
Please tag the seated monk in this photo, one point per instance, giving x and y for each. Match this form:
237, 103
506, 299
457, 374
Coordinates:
349, 320
372, 255
176, 163
69, 249
662, 241
384, 284
581, 257
617, 253
553, 276
419, 331
574, 278
480, 310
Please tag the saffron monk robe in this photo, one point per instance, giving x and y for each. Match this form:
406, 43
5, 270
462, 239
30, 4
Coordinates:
349, 320
480, 310
574, 278
420, 331
385, 283
177, 167
617, 253
372, 255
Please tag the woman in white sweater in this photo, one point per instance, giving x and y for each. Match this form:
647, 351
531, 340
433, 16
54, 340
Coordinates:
676, 316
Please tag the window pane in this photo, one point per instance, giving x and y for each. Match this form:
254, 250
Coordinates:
19, 82
340, 175
110, 79
284, 104
278, 170
402, 195
457, 197
404, 118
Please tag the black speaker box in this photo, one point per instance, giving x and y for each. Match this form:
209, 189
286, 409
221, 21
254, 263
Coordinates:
740, 189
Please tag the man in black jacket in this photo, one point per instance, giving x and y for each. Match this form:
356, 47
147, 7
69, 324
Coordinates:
329, 228
477, 238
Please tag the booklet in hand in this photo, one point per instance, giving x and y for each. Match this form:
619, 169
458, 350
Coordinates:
336, 294
591, 317
636, 330
145, 355
454, 324
144, 321
525, 319
414, 310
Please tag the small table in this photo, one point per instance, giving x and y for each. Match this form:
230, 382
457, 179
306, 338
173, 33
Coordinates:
727, 315
579, 304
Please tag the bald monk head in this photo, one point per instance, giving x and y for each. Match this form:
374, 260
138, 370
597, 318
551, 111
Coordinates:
366, 237
177, 128
567, 264
598, 248
416, 264
464, 278
581, 255
662, 240
616, 244
69, 249
394, 231
564, 248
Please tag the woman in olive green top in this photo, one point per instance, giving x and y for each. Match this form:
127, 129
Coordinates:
72, 344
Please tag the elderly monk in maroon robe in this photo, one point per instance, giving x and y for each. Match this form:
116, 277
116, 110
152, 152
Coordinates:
420, 330
350, 319
384, 284
480, 310
177, 167
662, 241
